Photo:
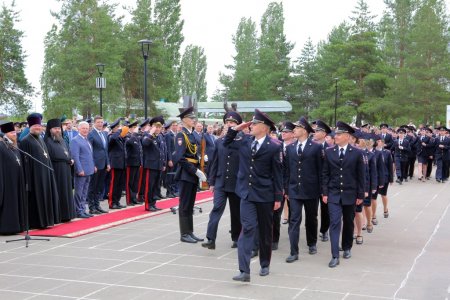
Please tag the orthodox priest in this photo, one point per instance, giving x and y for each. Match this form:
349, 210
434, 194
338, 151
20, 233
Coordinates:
43, 210
61, 162
12, 184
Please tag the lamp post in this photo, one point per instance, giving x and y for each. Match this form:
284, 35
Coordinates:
335, 99
145, 47
100, 83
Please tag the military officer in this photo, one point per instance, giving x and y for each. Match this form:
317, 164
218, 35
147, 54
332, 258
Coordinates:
387, 137
343, 189
222, 181
302, 183
133, 161
188, 174
259, 185
154, 160
441, 153
169, 138
401, 147
116, 152
143, 128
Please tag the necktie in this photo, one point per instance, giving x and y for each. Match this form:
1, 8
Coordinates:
341, 155
254, 147
299, 151
442, 138
103, 138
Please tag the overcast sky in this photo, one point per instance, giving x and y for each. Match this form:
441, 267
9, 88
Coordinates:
207, 23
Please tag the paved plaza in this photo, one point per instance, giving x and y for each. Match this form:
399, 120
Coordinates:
407, 256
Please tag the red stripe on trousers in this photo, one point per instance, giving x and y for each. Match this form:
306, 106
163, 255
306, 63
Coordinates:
147, 179
141, 169
111, 187
127, 189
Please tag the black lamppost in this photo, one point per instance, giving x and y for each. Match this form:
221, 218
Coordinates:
101, 83
145, 47
335, 99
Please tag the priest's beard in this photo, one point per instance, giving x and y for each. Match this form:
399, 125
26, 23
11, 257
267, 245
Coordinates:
57, 136
35, 134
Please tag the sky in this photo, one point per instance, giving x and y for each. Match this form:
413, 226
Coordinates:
207, 23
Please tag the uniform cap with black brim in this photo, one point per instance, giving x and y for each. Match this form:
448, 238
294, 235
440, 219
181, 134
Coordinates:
303, 123
342, 127
159, 120
7, 127
322, 126
261, 117
187, 113
233, 117
288, 127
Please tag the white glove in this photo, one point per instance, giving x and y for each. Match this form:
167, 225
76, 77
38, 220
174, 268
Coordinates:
205, 158
200, 175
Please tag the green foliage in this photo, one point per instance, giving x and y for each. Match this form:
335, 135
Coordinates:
193, 72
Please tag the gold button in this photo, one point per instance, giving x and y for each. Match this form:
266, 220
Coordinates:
226, 177
341, 169
341, 176
228, 163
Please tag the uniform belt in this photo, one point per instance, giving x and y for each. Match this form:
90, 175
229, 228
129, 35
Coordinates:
191, 160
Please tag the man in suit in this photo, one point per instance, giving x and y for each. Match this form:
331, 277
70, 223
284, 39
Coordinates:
343, 189
402, 148
116, 152
260, 187
99, 141
222, 182
81, 153
321, 131
133, 161
210, 146
388, 141
302, 184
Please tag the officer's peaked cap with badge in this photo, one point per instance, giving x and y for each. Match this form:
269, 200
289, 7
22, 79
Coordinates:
134, 124
7, 127
159, 120
144, 123
365, 125
288, 127
34, 119
384, 125
342, 127
428, 129
187, 113
401, 130
303, 123
114, 124
261, 117
322, 126
232, 116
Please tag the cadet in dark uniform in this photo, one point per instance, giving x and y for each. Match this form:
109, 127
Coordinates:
144, 127
322, 130
222, 181
188, 174
133, 160
260, 187
442, 149
302, 183
414, 144
169, 181
116, 151
402, 148
154, 161
388, 140
343, 189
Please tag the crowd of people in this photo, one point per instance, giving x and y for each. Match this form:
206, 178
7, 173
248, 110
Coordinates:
61, 170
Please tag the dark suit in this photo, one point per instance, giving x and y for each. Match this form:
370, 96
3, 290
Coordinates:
101, 160
222, 176
302, 183
343, 183
116, 150
133, 161
401, 158
209, 148
169, 182
388, 140
259, 184
324, 215
441, 156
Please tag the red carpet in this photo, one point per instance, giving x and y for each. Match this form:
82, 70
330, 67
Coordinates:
114, 218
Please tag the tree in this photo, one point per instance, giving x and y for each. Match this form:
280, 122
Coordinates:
193, 72
15, 90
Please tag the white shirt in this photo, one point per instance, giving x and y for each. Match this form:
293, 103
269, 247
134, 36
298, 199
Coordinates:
343, 147
260, 142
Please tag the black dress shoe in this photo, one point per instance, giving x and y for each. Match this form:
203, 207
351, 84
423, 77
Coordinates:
234, 245
244, 277
292, 258
325, 237
196, 238
254, 253
121, 206
161, 196
83, 216
347, 254
333, 262
312, 249
209, 244
264, 271
89, 215
170, 195
275, 246
115, 206
99, 209
94, 212
156, 198
156, 208
187, 238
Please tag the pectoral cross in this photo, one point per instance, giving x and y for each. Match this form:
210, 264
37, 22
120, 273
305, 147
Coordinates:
45, 154
18, 160
66, 153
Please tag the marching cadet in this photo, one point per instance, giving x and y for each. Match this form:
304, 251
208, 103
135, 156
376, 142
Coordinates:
321, 132
188, 174
116, 151
441, 153
222, 182
154, 161
388, 172
260, 187
169, 137
431, 148
387, 137
414, 144
343, 189
402, 148
144, 128
133, 161
381, 181
302, 183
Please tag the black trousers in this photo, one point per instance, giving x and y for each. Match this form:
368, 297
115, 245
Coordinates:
118, 179
220, 202
96, 188
324, 216
411, 163
445, 169
132, 184
429, 166
188, 191
403, 170
169, 181
311, 224
277, 222
152, 178
341, 214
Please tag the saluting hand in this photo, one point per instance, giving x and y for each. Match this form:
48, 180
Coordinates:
242, 126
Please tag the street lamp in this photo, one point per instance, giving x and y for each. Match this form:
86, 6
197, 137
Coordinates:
145, 47
100, 83
335, 99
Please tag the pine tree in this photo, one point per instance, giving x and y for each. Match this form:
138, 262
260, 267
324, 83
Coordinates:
193, 72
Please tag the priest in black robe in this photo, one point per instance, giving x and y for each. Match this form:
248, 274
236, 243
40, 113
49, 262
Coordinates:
43, 209
12, 183
61, 162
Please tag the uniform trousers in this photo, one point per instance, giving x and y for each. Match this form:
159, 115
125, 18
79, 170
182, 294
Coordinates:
169, 182
188, 191
445, 169
255, 215
411, 163
220, 202
403, 172
324, 216
339, 211
141, 185
116, 186
132, 184
96, 188
311, 224
277, 222
429, 166
152, 178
